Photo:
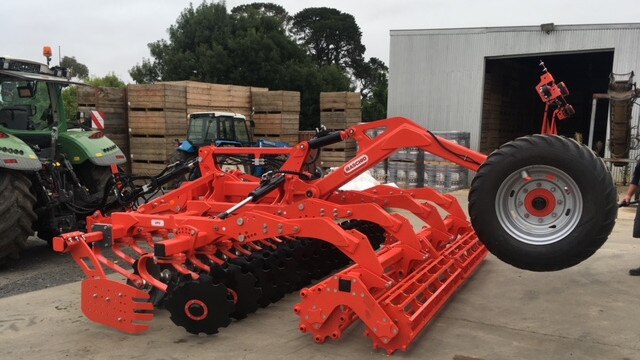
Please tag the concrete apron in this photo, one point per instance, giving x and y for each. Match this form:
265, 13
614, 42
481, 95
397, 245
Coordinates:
591, 311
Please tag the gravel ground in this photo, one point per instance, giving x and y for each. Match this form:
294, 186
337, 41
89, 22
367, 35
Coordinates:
39, 267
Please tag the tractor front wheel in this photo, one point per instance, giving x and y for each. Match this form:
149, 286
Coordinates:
16, 213
543, 203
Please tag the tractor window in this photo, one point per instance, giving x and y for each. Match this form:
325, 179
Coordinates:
212, 131
241, 131
226, 129
25, 113
197, 129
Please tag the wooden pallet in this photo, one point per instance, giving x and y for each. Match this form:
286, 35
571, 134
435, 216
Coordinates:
276, 101
335, 157
158, 122
209, 97
156, 96
277, 123
340, 119
112, 102
152, 148
340, 100
146, 168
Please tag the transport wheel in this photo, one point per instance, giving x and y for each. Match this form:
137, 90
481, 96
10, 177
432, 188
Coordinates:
16, 213
543, 203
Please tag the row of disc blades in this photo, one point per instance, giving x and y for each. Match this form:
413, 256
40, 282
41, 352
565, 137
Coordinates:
242, 285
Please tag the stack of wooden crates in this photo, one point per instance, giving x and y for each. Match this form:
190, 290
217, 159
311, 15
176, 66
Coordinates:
338, 111
112, 102
158, 116
276, 115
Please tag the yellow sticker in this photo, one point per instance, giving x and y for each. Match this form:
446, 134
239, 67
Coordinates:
99, 154
31, 156
76, 158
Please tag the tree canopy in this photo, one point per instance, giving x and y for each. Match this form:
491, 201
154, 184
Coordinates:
77, 69
330, 36
251, 45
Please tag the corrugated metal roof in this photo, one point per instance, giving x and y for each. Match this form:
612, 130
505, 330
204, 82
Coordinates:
535, 28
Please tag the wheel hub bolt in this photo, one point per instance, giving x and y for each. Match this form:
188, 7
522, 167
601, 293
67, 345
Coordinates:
540, 220
559, 202
526, 216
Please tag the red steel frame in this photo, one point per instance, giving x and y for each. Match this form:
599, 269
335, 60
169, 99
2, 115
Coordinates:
396, 291
552, 95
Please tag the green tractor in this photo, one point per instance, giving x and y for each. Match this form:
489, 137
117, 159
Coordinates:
53, 173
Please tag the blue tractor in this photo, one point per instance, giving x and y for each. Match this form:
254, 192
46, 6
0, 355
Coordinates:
222, 128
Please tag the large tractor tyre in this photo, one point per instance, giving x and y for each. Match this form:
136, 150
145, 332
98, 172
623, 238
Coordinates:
543, 203
16, 213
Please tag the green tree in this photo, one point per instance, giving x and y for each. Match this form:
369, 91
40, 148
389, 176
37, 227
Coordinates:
77, 69
330, 36
145, 73
373, 80
109, 80
374, 106
263, 9
249, 47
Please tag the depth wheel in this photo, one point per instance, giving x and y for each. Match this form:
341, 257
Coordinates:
543, 203
200, 306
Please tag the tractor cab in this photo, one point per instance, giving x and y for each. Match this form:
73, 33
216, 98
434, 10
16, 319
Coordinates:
216, 128
35, 123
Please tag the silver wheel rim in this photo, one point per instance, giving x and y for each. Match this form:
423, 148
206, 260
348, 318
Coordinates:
539, 205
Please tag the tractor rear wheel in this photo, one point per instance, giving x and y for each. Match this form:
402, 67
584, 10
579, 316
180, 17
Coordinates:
16, 213
543, 203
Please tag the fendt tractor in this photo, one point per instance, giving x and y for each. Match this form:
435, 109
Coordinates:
53, 172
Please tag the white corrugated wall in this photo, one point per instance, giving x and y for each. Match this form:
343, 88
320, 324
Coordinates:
436, 76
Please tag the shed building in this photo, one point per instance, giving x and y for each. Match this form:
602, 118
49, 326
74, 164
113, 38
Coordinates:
482, 80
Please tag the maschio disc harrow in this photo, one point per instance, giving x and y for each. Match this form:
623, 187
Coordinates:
220, 247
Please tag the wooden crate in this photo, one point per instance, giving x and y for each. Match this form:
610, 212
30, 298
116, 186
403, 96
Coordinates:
158, 122
156, 149
340, 119
112, 102
148, 168
210, 97
335, 157
306, 135
278, 123
340, 100
157, 96
275, 101
241, 111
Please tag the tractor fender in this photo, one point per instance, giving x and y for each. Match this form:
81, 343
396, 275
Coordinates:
80, 146
17, 155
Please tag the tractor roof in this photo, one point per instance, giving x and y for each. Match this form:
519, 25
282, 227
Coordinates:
219, 113
34, 71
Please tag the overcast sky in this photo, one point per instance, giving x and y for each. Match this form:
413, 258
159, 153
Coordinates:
112, 36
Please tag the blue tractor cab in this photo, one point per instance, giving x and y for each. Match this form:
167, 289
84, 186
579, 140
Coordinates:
216, 128
222, 128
